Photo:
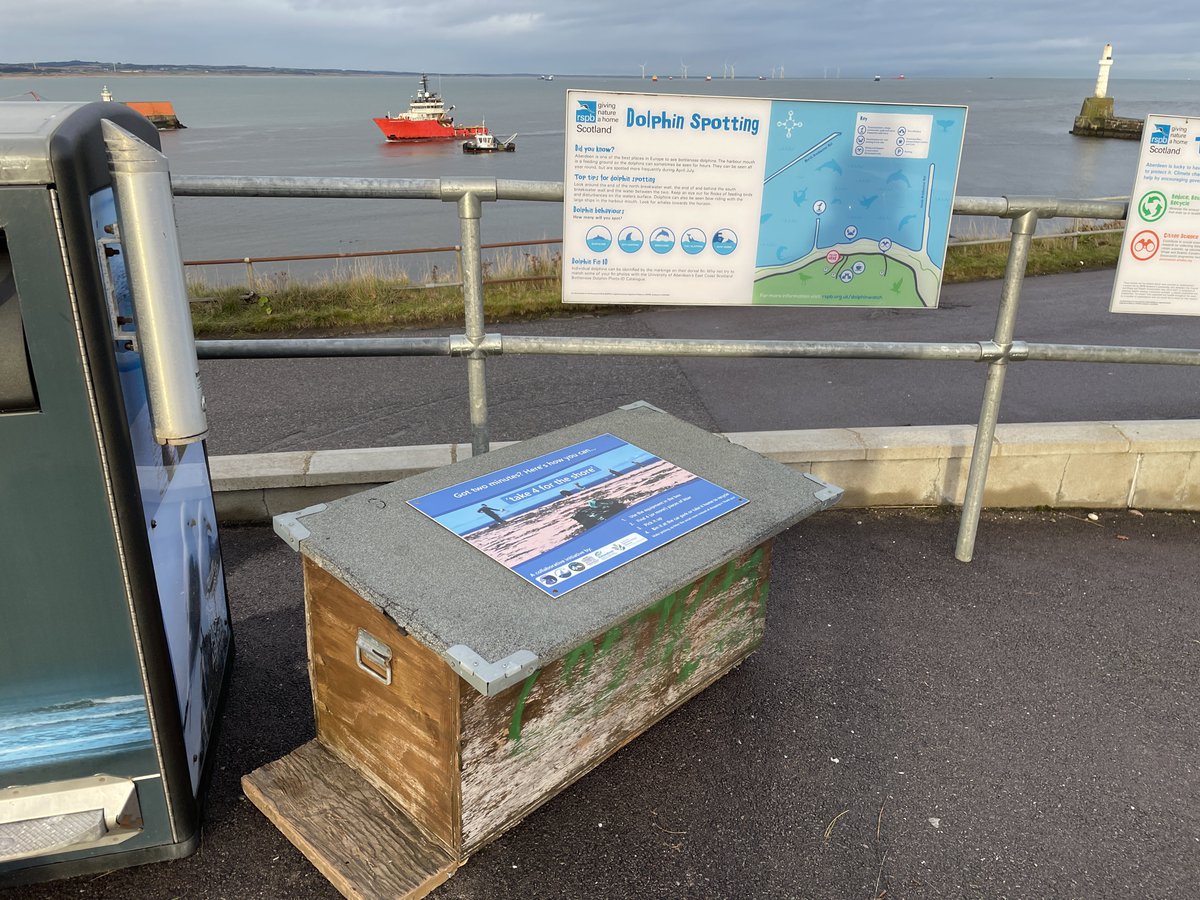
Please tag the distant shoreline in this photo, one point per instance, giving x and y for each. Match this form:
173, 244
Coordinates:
141, 73
96, 71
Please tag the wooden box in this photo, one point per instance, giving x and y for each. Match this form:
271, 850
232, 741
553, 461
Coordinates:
452, 698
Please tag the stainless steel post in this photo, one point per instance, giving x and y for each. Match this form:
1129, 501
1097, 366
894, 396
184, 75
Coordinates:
1023, 227
469, 208
142, 184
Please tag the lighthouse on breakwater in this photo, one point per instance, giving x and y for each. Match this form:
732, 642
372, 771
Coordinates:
1096, 118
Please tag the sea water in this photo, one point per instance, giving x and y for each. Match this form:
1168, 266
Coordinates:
1017, 143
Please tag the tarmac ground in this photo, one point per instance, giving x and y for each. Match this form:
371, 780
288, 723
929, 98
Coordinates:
1023, 726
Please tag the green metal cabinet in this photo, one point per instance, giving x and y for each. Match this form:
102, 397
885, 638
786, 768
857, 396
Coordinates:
114, 626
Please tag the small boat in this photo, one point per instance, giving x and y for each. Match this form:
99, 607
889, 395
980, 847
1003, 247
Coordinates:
485, 142
877, 78
428, 119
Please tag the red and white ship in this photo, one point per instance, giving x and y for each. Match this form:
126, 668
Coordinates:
427, 119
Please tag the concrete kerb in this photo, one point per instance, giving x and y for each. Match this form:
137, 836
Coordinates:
1105, 465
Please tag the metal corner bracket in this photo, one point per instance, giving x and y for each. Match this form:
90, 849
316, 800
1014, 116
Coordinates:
829, 494
642, 404
287, 525
490, 678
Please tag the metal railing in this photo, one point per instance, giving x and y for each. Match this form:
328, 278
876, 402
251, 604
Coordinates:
456, 281
252, 277
476, 345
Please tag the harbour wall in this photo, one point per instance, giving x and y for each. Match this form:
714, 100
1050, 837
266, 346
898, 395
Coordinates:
1097, 119
1100, 465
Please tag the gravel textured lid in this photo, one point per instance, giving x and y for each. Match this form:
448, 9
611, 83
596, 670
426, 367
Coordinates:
489, 623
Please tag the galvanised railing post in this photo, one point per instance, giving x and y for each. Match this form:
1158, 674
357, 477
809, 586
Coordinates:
1023, 227
471, 275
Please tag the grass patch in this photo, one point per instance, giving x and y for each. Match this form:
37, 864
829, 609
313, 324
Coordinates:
1047, 256
376, 297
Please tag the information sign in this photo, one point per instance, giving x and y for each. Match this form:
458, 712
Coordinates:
1158, 270
735, 201
567, 517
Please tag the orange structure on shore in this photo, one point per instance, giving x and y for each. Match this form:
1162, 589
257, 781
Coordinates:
160, 112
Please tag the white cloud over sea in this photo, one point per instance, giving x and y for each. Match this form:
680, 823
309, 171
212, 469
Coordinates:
888, 37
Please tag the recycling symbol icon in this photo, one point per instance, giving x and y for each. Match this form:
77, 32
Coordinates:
1152, 206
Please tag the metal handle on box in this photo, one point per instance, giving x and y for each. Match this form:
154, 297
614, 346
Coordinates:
373, 656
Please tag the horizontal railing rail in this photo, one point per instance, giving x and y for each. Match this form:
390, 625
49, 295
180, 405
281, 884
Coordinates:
250, 261
476, 344
193, 186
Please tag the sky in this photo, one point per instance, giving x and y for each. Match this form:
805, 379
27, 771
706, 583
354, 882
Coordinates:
806, 39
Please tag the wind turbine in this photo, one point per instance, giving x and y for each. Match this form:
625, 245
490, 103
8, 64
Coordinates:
643, 71
683, 68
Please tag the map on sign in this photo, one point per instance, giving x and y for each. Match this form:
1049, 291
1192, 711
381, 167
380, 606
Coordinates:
856, 204
708, 200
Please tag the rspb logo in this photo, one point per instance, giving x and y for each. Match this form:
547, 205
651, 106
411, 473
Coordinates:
586, 112
1161, 134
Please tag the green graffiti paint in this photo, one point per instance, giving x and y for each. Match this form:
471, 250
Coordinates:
610, 638
583, 651
514, 727
668, 645
735, 571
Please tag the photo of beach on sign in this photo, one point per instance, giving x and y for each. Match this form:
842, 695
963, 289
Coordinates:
579, 508
568, 517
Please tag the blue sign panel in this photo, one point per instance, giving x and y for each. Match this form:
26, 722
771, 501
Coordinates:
565, 518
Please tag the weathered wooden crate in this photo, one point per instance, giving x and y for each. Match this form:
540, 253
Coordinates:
452, 698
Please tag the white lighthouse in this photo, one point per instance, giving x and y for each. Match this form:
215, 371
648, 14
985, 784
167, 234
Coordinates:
1102, 75
1096, 118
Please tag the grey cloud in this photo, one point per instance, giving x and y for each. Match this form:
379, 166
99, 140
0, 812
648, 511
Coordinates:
1022, 37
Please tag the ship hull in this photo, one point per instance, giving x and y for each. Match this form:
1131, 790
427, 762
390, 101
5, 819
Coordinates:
406, 131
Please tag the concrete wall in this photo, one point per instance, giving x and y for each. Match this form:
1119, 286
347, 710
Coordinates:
1103, 465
